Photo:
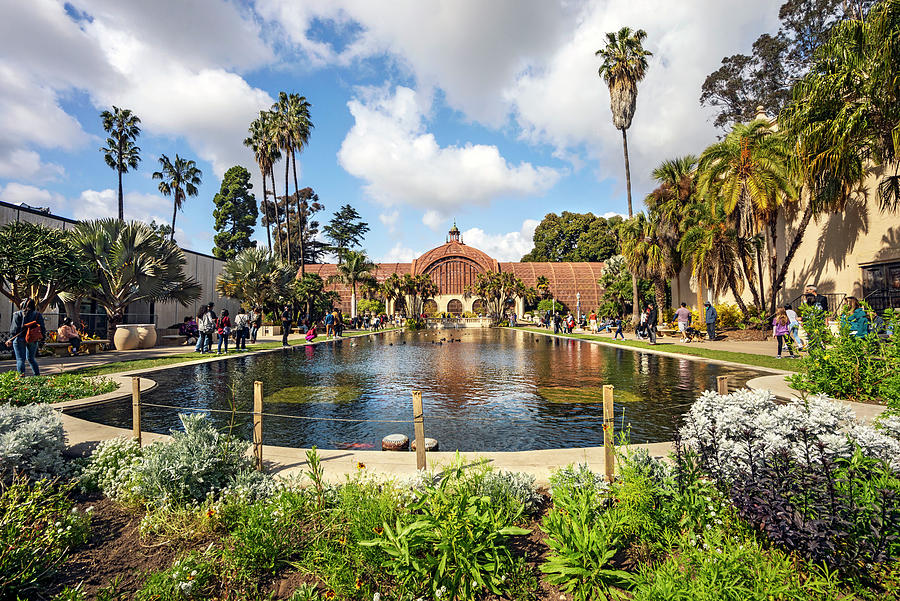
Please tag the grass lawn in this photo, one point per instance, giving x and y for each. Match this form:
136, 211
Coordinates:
19, 390
188, 357
695, 351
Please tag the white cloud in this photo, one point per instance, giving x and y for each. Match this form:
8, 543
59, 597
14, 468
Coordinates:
434, 219
399, 254
389, 148
16, 193
21, 164
611, 214
390, 220
510, 246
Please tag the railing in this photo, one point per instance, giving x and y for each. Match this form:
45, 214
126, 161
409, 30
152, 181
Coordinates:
883, 299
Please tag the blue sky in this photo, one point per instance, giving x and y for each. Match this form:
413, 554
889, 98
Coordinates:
424, 111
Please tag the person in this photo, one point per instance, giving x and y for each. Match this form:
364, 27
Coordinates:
592, 320
206, 323
188, 329
241, 330
255, 323
794, 326
619, 328
311, 333
512, 319
223, 329
856, 318
683, 318
781, 327
711, 317
68, 333
286, 320
339, 324
329, 325
812, 297
641, 330
25, 331
652, 320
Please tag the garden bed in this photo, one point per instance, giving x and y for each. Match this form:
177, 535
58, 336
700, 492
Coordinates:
25, 390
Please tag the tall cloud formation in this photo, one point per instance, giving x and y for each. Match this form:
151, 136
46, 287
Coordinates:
389, 148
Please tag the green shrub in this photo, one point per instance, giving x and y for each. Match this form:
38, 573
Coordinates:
729, 316
113, 468
18, 390
267, 534
548, 304
370, 305
850, 367
31, 442
191, 577
196, 463
37, 528
453, 545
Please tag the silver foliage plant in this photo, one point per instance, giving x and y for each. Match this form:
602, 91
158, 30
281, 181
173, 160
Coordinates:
749, 425
32, 442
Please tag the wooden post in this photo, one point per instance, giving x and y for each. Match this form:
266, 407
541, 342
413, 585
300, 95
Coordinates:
419, 423
136, 408
257, 423
722, 384
608, 434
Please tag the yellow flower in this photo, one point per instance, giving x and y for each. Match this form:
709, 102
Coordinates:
377, 530
329, 595
360, 465
358, 584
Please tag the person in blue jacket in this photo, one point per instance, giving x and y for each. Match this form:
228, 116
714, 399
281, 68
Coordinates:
711, 317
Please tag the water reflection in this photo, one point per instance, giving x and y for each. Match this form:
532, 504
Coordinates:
494, 390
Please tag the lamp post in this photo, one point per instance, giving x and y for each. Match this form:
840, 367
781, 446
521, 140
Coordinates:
578, 305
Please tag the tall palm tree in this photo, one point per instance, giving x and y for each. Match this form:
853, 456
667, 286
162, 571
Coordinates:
283, 136
356, 269
646, 254
265, 153
178, 180
297, 111
751, 172
120, 151
624, 65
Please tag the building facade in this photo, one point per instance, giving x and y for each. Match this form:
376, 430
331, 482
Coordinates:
454, 266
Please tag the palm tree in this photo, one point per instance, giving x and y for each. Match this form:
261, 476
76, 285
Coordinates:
120, 151
256, 276
282, 134
624, 65
178, 180
646, 254
751, 172
131, 263
543, 286
265, 153
389, 290
356, 269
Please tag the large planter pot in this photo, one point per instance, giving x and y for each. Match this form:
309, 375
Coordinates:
126, 338
146, 334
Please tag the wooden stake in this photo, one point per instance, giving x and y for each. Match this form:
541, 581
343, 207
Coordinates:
136, 408
419, 422
257, 423
722, 384
608, 434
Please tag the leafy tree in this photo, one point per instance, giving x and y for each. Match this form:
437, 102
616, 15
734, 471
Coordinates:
235, 214
178, 180
120, 151
345, 230
616, 282
131, 263
40, 262
354, 270
624, 66
310, 290
163, 230
574, 237
765, 77
496, 288
309, 205
257, 277
370, 305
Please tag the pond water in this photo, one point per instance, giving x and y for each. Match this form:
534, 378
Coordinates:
493, 390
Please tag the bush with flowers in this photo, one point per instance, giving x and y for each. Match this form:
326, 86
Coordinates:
31, 442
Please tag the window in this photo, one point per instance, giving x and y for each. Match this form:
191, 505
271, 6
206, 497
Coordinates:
454, 307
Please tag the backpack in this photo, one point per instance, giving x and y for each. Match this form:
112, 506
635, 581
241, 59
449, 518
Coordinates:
32, 330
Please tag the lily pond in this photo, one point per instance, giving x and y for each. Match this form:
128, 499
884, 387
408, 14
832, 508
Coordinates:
483, 390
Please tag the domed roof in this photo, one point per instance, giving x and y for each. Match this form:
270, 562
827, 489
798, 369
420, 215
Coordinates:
452, 250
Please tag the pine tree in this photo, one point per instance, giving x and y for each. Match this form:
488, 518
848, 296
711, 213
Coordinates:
345, 231
235, 214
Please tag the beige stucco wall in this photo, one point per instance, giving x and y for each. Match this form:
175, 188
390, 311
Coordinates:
832, 252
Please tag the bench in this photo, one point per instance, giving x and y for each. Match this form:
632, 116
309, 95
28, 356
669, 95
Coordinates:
172, 339
61, 349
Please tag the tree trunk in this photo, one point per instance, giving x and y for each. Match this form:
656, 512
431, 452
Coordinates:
287, 213
174, 214
265, 205
278, 241
635, 307
732, 284
121, 195
300, 220
352, 301
659, 286
795, 244
773, 264
762, 288
747, 265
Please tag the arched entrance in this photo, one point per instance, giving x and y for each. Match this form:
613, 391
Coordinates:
430, 307
478, 307
455, 307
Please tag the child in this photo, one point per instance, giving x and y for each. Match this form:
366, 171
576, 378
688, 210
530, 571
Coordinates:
311, 333
781, 331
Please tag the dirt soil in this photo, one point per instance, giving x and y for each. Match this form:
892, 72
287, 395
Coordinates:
115, 553
748, 334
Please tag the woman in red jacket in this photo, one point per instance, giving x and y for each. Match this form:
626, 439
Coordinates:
223, 329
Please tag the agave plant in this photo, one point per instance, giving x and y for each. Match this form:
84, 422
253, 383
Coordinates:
132, 263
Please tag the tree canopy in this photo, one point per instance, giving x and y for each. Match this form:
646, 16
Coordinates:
235, 214
345, 231
575, 237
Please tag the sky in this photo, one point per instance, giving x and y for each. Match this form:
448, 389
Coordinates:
424, 111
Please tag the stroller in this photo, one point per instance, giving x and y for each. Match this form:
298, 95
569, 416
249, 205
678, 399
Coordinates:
692, 333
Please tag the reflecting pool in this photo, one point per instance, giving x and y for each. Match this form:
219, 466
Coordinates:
488, 390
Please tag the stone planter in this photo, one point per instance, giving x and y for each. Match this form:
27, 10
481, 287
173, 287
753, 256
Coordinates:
132, 336
271, 330
395, 442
